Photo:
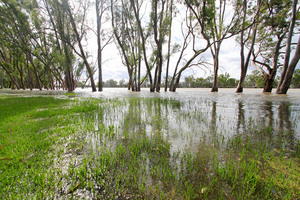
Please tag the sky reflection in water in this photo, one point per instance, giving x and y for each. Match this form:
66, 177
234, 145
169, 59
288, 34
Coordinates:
210, 115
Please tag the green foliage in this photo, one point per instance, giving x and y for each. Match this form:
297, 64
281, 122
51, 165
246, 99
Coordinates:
296, 79
275, 16
254, 80
224, 81
111, 83
29, 38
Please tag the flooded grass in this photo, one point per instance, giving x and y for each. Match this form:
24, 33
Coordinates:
145, 148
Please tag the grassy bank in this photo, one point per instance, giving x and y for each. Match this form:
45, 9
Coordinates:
130, 148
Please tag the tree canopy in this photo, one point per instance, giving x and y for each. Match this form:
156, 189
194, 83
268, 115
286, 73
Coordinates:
46, 43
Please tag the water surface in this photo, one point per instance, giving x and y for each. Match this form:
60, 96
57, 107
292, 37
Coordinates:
224, 112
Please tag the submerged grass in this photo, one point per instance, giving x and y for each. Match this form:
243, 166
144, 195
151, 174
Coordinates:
136, 148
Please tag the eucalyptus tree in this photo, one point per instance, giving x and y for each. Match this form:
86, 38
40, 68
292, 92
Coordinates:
44, 43
272, 30
18, 62
12, 39
194, 23
6, 65
153, 34
136, 55
250, 14
79, 33
289, 66
161, 23
27, 29
144, 33
220, 25
170, 15
215, 21
64, 41
125, 19
188, 36
5, 61
120, 15
155, 30
197, 16
103, 39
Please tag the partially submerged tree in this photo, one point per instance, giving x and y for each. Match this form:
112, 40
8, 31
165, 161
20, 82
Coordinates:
102, 6
79, 37
170, 16
161, 23
143, 37
195, 22
271, 34
220, 26
64, 40
289, 67
137, 38
126, 34
213, 28
246, 36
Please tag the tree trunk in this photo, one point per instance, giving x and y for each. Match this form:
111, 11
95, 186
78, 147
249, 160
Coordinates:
184, 46
130, 83
16, 63
242, 43
268, 85
51, 82
30, 82
284, 78
289, 73
69, 81
269, 81
143, 45
216, 47
240, 87
22, 81
35, 72
140, 56
216, 68
100, 86
175, 83
100, 81
245, 64
68, 67
135, 78
121, 46
1, 79
139, 66
269, 76
169, 45
158, 40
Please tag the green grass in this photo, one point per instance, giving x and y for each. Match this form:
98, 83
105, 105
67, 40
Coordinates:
124, 149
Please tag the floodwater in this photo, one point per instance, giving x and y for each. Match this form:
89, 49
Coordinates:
225, 112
